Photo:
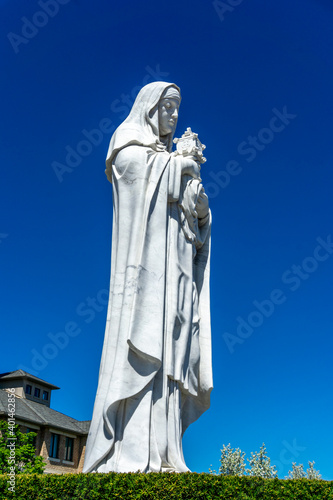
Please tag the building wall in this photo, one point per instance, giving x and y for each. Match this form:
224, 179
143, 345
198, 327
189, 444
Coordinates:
32, 396
60, 465
13, 384
82, 452
20, 385
43, 441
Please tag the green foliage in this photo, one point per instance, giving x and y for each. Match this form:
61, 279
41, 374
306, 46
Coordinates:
297, 472
311, 472
232, 462
260, 464
17, 452
162, 486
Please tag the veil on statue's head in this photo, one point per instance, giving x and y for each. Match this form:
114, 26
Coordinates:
141, 127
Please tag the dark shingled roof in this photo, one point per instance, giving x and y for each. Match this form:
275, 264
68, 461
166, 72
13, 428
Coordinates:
22, 374
85, 425
30, 411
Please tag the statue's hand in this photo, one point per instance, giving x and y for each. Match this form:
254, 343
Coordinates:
202, 206
190, 167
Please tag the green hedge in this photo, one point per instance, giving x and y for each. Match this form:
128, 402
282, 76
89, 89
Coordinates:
161, 486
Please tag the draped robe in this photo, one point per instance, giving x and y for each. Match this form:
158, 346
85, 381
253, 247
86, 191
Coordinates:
155, 375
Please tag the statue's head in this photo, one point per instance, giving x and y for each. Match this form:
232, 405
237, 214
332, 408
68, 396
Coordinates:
168, 107
151, 122
156, 110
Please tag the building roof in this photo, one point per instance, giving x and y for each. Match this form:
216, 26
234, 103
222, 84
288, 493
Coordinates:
85, 425
29, 411
22, 374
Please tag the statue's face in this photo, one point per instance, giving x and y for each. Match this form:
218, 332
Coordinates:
168, 115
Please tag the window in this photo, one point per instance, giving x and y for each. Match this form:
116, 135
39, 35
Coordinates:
54, 445
37, 393
28, 389
69, 449
45, 395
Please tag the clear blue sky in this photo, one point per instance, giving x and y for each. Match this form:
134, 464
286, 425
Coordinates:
257, 85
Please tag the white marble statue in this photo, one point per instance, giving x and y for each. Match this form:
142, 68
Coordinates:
155, 376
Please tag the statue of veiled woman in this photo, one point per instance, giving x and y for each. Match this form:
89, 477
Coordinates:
155, 376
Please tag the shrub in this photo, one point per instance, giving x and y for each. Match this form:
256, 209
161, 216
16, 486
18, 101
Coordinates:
161, 486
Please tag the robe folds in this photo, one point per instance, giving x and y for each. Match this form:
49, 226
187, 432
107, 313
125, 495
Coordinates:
155, 376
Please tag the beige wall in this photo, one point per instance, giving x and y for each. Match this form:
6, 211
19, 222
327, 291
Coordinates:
13, 384
20, 384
